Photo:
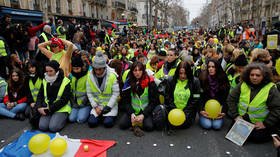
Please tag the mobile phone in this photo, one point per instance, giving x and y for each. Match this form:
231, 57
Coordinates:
276, 136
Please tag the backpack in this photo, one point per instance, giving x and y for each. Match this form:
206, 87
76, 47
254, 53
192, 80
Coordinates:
160, 117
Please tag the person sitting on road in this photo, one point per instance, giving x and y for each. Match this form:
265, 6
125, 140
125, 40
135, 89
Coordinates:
102, 91
215, 85
80, 103
256, 100
183, 92
15, 101
53, 99
139, 96
34, 83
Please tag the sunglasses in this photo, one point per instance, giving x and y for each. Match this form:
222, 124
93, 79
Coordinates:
54, 45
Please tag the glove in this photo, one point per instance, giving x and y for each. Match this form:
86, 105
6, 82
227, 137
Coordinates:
106, 109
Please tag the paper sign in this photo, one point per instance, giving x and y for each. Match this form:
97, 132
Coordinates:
272, 41
240, 132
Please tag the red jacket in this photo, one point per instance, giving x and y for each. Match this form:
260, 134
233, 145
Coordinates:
33, 30
19, 101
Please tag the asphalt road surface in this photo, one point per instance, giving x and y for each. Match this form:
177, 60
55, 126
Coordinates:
192, 142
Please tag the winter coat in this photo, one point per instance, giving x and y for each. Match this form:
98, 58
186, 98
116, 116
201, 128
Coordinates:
272, 103
52, 91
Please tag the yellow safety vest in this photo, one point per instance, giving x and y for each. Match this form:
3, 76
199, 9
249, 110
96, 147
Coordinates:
60, 35
64, 83
160, 74
181, 95
34, 88
100, 97
256, 109
45, 39
79, 88
58, 56
140, 103
3, 52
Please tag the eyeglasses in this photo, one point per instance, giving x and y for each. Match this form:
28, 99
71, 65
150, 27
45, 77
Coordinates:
54, 45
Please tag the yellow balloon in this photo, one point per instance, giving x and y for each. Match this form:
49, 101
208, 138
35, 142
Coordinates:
39, 143
176, 117
58, 147
213, 108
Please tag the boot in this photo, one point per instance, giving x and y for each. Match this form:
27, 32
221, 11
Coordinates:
138, 131
20, 116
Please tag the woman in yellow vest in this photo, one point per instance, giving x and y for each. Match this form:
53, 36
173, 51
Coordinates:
58, 53
102, 91
183, 92
33, 82
256, 100
139, 96
53, 99
169, 66
80, 103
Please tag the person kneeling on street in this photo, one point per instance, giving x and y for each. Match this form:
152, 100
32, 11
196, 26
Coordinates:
102, 91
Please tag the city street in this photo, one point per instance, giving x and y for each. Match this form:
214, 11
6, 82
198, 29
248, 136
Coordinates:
193, 142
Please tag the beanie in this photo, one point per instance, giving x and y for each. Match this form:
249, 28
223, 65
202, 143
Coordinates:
99, 60
54, 64
77, 61
241, 60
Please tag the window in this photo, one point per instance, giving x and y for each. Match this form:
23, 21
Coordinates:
15, 4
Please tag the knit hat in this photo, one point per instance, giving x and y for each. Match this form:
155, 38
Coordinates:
58, 42
54, 64
77, 61
99, 60
241, 60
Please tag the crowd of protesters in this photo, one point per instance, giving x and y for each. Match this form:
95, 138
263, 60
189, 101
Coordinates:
54, 73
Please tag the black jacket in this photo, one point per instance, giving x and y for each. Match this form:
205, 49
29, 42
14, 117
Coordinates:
52, 91
153, 99
272, 103
193, 102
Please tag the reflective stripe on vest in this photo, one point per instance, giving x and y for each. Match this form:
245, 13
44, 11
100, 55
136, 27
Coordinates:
140, 103
64, 83
34, 88
124, 76
181, 95
58, 56
79, 88
256, 109
45, 39
102, 98
60, 35
2, 49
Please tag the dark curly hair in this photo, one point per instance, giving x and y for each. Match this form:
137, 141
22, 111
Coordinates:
266, 72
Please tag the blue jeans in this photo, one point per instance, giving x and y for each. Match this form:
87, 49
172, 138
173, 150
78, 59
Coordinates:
108, 121
11, 113
79, 115
210, 123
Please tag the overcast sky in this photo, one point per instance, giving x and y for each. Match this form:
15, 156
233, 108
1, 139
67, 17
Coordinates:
194, 7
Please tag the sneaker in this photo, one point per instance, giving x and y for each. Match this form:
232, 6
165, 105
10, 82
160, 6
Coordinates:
138, 131
20, 116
